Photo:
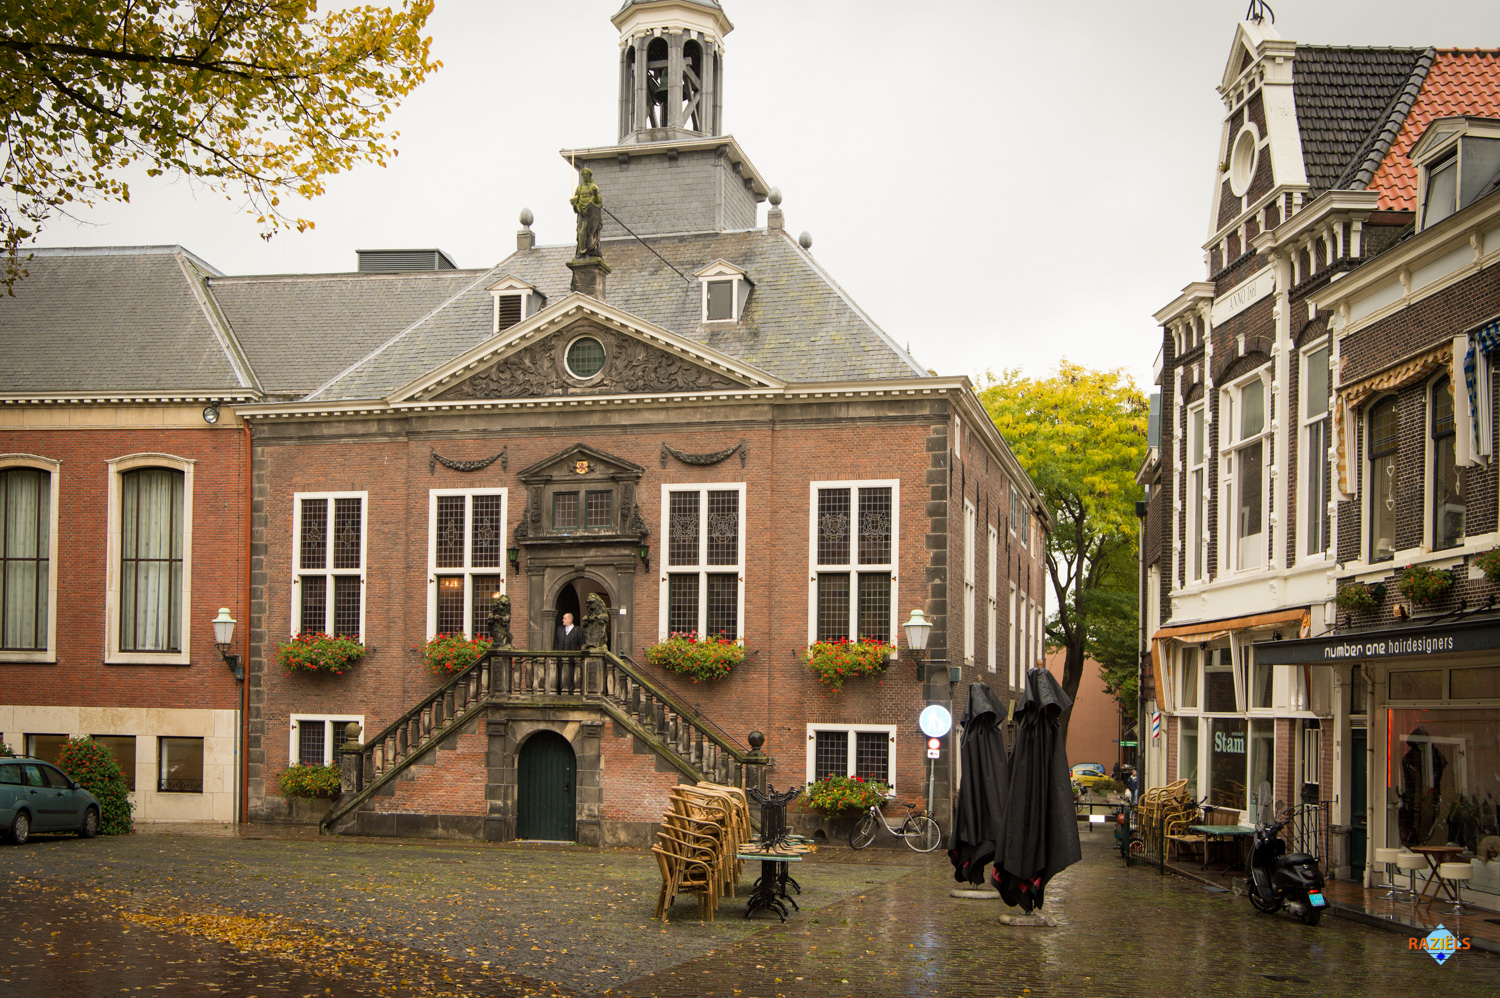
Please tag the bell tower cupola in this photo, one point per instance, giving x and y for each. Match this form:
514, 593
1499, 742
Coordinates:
671, 69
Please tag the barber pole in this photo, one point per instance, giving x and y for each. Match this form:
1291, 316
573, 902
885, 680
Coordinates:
1155, 724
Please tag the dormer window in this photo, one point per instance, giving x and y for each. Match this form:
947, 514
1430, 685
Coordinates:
725, 291
1459, 163
515, 300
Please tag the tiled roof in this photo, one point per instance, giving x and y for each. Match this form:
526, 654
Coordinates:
130, 319
301, 331
1344, 96
1461, 81
798, 325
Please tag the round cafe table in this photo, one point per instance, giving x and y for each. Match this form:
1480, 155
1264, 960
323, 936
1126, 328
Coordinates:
1436, 856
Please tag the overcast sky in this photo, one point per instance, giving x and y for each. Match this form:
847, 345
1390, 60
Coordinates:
997, 184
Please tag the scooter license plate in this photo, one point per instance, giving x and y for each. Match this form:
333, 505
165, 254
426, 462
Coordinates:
1316, 899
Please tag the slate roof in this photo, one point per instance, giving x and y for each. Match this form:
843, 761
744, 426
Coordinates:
1345, 98
300, 332
798, 325
1461, 81
92, 322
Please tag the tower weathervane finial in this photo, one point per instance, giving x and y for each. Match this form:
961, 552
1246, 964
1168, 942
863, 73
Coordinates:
1258, 11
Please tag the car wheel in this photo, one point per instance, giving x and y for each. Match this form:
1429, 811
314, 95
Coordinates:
90, 826
20, 828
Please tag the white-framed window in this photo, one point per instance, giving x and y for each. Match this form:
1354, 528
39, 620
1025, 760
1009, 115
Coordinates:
703, 568
1445, 517
725, 291
1223, 686
1197, 496
1038, 651
853, 538
28, 557
316, 738
179, 765
958, 436
1025, 530
1013, 641
1015, 510
149, 580
1245, 471
1440, 190
970, 623
1261, 690
328, 570
867, 751
990, 651
466, 531
1382, 447
1312, 755
1316, 426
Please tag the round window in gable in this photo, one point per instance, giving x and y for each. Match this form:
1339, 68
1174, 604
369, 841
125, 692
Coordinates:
1242, 158
585, 358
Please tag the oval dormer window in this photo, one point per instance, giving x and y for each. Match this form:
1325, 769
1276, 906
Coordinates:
585, 357
1242, 160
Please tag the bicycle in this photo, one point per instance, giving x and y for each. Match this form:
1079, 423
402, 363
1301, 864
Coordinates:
919, 832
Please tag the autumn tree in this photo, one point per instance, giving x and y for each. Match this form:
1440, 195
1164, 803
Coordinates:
258, 99
1081, 436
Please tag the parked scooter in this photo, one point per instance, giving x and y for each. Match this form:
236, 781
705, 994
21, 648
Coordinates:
1279, 879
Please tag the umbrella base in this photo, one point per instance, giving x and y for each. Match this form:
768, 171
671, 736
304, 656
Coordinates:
1037, 921
975, 895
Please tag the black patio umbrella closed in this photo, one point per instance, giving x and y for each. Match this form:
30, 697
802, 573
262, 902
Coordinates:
1041, 825
984, 778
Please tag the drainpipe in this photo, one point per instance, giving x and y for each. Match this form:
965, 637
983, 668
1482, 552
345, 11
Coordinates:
244, 801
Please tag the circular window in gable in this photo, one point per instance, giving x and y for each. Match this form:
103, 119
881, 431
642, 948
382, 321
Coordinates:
1242, 159
585, 358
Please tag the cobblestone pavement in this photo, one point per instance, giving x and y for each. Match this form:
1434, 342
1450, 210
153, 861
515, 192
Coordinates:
423, 918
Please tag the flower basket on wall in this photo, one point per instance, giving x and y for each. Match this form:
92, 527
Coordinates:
836, 661
313, 651
1356, 597
1489, 564
837, 794
698, 658
1422, 585
310, 782
445, 654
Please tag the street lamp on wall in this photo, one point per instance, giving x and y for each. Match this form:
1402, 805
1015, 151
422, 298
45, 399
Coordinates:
917, 628
223, 636
645, 552
514, 555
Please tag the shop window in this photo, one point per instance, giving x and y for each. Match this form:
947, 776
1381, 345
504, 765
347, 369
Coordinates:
1380, 487
1475, 684
1262, 755
122, 747
1219, 693
1261, 684
1445, 487
1442, 763
1187, 755
1426, 684
180, 765
1187, 687
1227, 768
867, 751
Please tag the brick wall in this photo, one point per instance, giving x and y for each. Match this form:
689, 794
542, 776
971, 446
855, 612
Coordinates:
449, 780
79, 677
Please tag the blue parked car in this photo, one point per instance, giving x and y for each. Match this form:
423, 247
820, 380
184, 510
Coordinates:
36, 796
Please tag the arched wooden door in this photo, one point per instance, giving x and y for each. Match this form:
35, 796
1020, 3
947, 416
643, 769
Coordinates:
547, 794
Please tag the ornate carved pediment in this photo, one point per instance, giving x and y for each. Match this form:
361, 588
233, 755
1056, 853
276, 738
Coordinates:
558, 365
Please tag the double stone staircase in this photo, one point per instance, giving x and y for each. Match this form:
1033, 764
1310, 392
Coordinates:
598, 680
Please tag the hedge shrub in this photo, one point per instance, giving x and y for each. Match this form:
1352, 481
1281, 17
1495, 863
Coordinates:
93, 765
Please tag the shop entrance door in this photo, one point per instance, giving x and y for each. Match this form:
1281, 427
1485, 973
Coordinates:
1359, 798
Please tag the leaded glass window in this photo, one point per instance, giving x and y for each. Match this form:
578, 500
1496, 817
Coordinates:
854, 546
865, 751
329, 577
467, 558
704, 588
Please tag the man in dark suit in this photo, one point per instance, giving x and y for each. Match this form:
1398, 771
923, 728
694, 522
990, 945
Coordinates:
569, 638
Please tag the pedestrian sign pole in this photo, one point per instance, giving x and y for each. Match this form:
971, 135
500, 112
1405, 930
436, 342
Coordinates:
935, 722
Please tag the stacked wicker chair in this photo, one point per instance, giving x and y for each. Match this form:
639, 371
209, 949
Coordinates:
698, 844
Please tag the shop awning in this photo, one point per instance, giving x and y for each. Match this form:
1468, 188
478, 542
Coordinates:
1212, 630
1411, 641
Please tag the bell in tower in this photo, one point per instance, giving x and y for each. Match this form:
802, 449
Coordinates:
671, 69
